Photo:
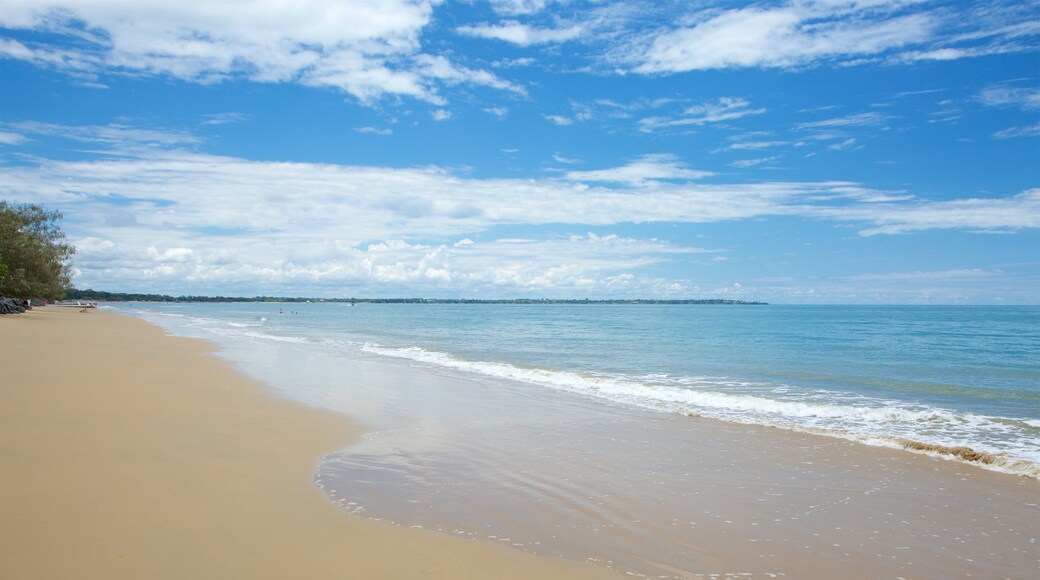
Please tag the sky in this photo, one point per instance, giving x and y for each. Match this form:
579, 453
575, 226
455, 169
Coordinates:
793, 151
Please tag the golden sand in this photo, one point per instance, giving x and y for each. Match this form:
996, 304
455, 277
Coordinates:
128, 453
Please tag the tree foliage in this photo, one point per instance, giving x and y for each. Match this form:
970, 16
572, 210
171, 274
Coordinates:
35, 258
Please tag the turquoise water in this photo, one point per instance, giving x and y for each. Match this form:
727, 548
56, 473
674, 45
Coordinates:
949, 376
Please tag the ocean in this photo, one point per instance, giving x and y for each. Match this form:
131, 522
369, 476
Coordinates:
553, 427
952, 376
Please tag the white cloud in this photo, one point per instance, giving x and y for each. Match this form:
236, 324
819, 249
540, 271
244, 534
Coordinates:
543, 267
115, 135
440, 68
843, 145
723, 109
375, 131
169, 217
1016, 132
225, 118
441, 115
871, 118
516, 7
1002, 96
746, 163
523, 34
8, 138
756, 145
363, 47
998, 214
789, 35
644, 169
560, 120
514, 62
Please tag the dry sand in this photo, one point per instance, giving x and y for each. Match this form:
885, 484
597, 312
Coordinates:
128, 453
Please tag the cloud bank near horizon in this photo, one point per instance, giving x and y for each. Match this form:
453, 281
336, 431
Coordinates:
218, 220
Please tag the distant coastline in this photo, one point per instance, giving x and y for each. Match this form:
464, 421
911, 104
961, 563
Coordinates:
74, 294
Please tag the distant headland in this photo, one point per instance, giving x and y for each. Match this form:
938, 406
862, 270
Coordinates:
74, 294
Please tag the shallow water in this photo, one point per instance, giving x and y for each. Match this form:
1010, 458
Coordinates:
944, 376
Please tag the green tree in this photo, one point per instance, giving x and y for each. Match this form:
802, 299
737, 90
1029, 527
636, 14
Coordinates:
35, 258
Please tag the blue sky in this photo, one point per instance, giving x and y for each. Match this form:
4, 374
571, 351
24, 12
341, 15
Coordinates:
814, 151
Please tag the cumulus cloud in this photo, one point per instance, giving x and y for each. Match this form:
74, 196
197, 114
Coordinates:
365, 48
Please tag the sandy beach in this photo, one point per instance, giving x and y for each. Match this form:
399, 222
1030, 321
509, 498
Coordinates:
128, 453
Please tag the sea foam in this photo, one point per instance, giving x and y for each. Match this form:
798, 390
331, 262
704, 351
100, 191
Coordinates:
934, 431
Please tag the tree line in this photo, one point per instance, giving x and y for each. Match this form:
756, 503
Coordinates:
74, 294
35, 257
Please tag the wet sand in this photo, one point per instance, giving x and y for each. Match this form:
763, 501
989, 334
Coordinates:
128, 453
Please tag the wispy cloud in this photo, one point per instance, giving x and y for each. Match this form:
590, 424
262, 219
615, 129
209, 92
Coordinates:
870, 118
644, 169
975, 214
1009, 96
523, 34
755, 145
9, 138
846, 144
723, 109
746, 163
117, 135
789, 35
797, 34
926, 275
225, 118
518, 7
565, 160
1017, 132
375, 131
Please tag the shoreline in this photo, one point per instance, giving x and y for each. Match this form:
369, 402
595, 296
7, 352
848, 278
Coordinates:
127, 453
566, 475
